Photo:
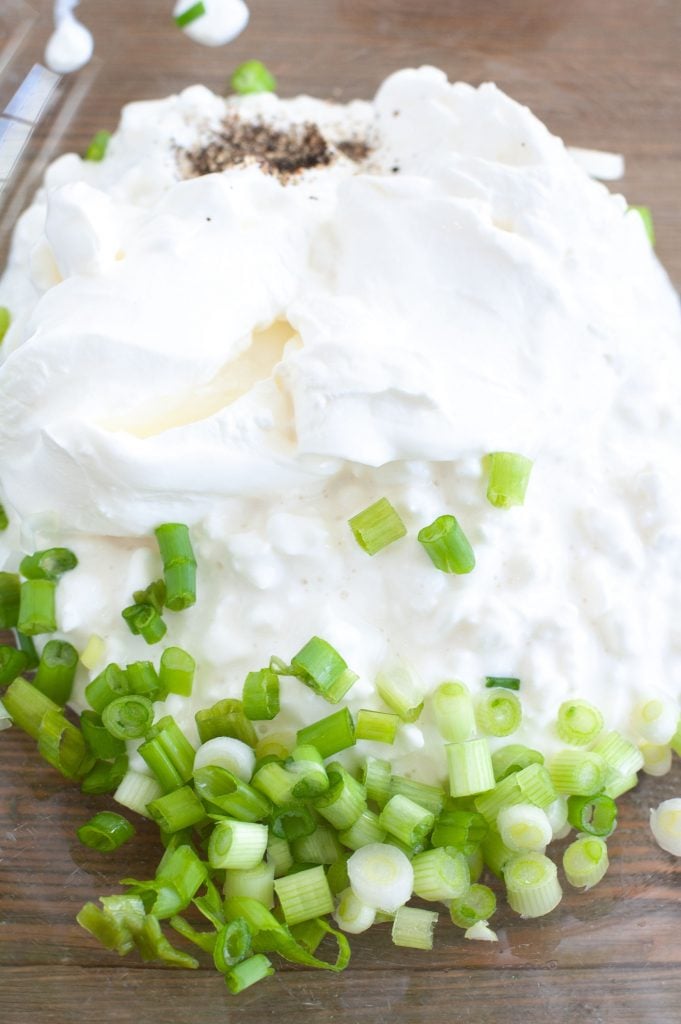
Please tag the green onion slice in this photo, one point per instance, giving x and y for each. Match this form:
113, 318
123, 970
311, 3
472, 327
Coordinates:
190, 14
377, 526
509, 475
447, 546
129, 717
106, 831
48, 565
594, 815
253, 76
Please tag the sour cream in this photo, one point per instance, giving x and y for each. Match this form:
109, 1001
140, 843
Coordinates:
222, 22
262, 359
71, 45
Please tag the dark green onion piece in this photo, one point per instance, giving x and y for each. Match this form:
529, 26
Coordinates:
505, 682
226, 718
106, 831
513, 758
232, 945
269, 935
154, 594
204, 940
226, 792
4, 520
179, 565
176, 673
168, 753
190, 14
27, 645
594, 815
447, 545
37, 613
48, 565
111, 683
460, 829
12, 663
106, 776
430, 797
57, 670
98, 146
509, 475
320, 666
344, 800
330, 735
292, 823
5, 321
153, 945
143, 680
253, 76
261, 695
110, 932
129, 717
62, 745
143, 620
377, 526
27, 706
10, 597
248, 973
177, 810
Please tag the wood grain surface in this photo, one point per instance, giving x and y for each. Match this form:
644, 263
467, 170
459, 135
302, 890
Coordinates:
602, 74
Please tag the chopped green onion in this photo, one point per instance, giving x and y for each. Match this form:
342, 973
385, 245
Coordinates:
585, 861
337, 874
153, 945
524, 827
509, 475
657, 759
352, 915
37, 607
579, 722
656, 720
229, 753
48, 565
293, 823
377, 726
12, 663
498, 714
107, 686
275, 782
329, 735
377, 526
321, 846
647, 218
530, 785
176, 672
402, 690
532, 884
129, 717
478, 904
577, 772
279, 855
307, 764
137, 791
178, 810
4, 520
27, 706
320, 666
98, 146
256, 883
186, 17
261, 695
594, 815
226, 793
111, 933
557, 813
5, 321
248, 973
513, 758
226, 718
143, 620
496, 853
304, 895
447, 546
232, 945
414, 928
503, 682
253, 76
619, 754
98, 738
62, 745
93, 652
381, 876
105, 776
10, 597
237, 844
367, 829
459, 829
665, 824
376, 777
179, 565
470, 767
106, 831
168, 753
675, 742
143, 680
440, 875
344, 800
154, 595
275, 745
454, 712
204, 940
432, 798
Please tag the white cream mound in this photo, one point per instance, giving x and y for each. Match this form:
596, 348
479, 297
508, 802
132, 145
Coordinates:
263, 359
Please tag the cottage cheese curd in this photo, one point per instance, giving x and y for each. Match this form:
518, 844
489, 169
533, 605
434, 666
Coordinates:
263, 358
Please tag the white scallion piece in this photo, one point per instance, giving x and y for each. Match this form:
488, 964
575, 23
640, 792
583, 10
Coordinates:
665, 823
655, 720
557, 813
482, 932
524, 827
136, 791
352, 915
657, 759
229, 753
381, 876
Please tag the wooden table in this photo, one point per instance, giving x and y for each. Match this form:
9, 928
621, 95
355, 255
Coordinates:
602, 74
